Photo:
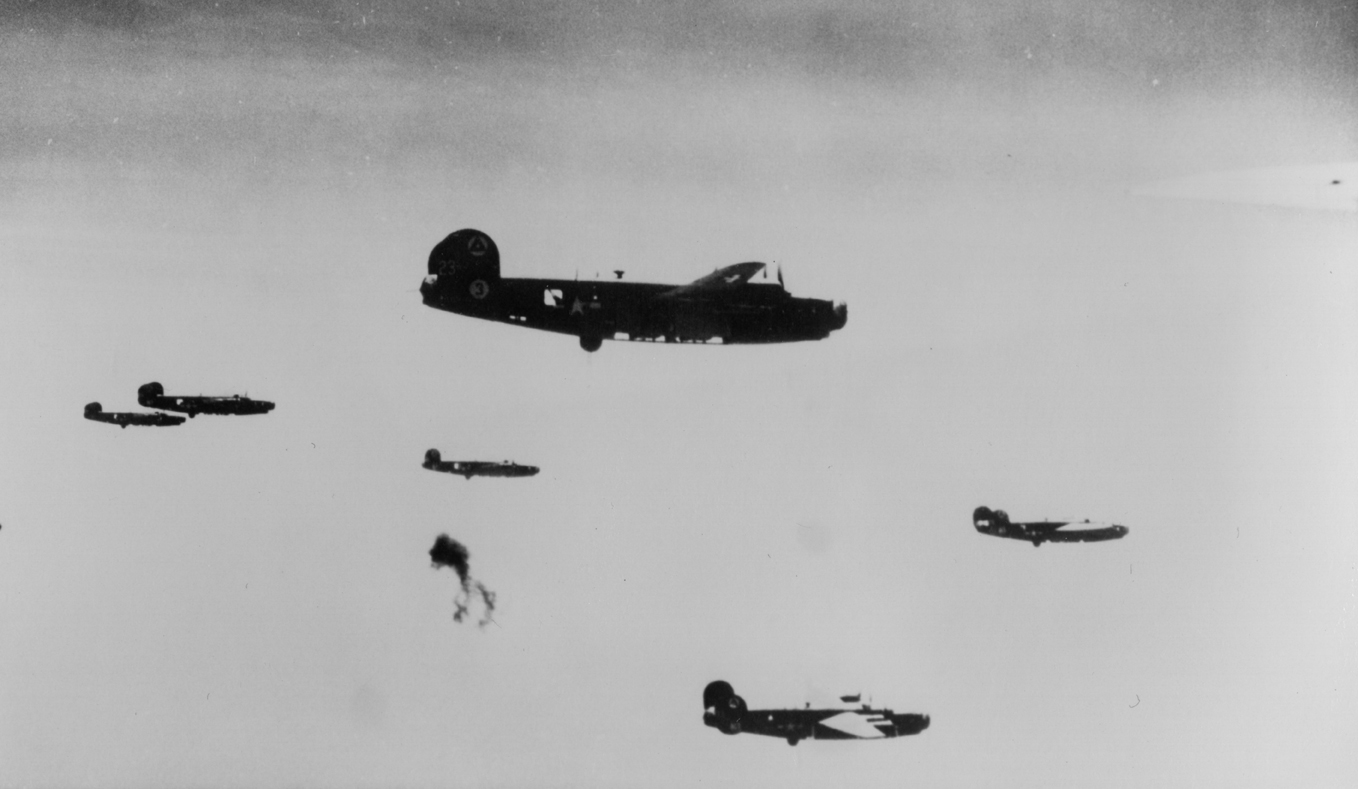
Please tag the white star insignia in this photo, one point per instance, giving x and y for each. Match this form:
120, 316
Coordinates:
578, 308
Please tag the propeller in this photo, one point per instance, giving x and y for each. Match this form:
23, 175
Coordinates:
780, 277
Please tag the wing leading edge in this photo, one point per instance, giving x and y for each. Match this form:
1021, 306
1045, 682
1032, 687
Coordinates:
722, 280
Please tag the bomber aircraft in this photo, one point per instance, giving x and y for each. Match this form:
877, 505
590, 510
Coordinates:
997, 524
122, 419
726, 711
476, 468
152, 395
724, 307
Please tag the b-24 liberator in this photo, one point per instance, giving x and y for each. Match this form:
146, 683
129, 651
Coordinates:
96, 412
725, 711
997, 524
153, 395
724, 307
476, 468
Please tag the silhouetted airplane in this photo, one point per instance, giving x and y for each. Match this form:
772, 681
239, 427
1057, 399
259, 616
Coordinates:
476, 468
997, 524
122, 419
723, 307
726, 711
152, 395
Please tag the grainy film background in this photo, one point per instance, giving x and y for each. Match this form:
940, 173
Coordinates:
239, 197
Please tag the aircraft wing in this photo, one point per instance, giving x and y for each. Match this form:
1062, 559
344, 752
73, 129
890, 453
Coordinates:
1087, 531
720, 281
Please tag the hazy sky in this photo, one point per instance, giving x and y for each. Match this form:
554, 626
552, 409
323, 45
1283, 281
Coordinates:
235, 197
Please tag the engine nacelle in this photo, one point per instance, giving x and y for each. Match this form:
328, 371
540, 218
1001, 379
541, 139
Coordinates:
432, 458
147, 393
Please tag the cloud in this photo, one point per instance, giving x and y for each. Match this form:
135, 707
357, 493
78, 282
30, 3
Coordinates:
101, 14
868, 38
1331, 187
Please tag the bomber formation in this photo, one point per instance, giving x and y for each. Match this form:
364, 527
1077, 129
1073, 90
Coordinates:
152, 395
724, 307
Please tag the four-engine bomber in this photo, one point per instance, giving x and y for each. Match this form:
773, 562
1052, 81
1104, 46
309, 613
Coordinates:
725, 711
476, 468
96, 412
724, 307
997, 524
153, 395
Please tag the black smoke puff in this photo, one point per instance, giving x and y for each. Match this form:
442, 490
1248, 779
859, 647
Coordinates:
448, 552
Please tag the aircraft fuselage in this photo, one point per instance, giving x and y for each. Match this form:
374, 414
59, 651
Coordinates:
152, 395
822, 724
996, 523
483, 468
635, 311
722, 308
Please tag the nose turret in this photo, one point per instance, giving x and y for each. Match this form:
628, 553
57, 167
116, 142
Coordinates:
910, 723
841, 310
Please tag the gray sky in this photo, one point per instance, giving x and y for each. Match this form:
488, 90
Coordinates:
243, 199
